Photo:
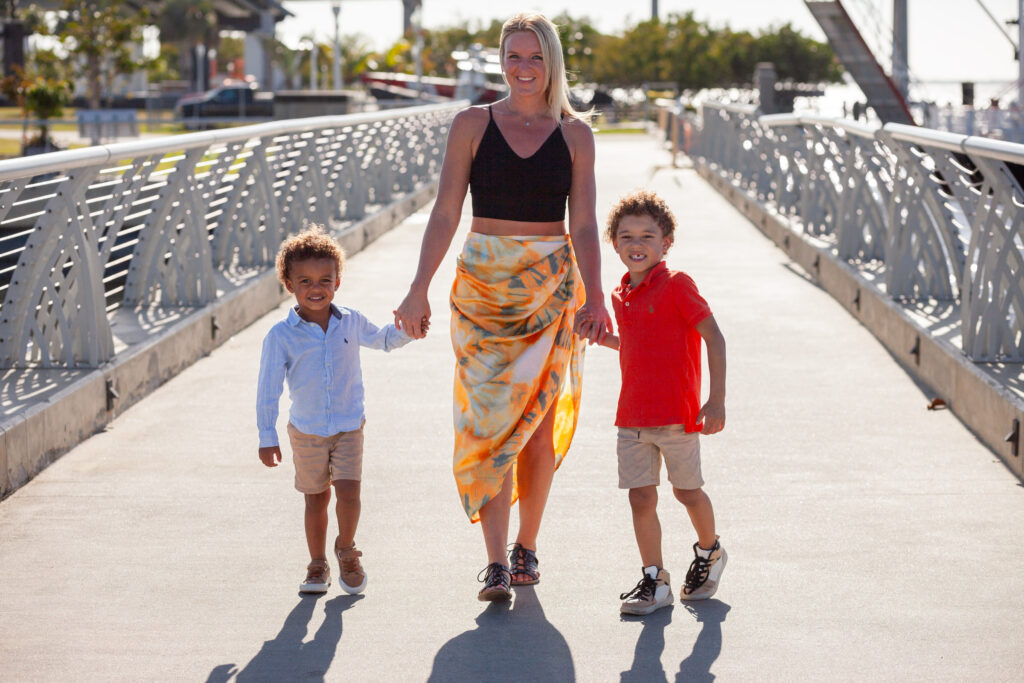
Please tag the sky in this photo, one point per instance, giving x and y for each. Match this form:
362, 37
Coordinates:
949, 40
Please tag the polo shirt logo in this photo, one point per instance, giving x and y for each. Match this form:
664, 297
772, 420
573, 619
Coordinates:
650, 307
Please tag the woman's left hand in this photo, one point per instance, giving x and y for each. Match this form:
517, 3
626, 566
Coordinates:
593, 322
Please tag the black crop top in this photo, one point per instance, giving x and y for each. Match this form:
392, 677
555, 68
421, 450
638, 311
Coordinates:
508, 187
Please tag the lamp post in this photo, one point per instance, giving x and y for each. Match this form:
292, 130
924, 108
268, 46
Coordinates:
338, 84
314, 66
418, 50
1020, 52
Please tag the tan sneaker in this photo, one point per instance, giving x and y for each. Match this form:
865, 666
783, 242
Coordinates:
352, 576
318, 577
651, 593
705, 573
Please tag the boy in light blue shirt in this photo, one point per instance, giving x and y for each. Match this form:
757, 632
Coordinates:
316, 350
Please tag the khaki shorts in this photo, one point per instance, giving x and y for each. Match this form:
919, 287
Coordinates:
641, 450
320, 460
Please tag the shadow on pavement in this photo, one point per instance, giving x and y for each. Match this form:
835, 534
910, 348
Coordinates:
512, 641
287, 657
710, 614
649, 646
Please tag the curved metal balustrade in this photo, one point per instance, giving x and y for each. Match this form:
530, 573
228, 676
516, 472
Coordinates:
173, 223
924, 215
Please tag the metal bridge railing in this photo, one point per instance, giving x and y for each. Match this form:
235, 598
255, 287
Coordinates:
923, 215
173, 223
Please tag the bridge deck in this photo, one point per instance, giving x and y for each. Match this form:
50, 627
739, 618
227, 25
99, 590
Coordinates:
868, 536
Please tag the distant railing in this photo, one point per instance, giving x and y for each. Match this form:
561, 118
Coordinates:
173, 223
923, 215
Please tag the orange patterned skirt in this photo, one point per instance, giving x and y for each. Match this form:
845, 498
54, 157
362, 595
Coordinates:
514, 302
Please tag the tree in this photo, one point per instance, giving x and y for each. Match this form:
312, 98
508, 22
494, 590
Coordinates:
290, 61
356, 56
100, 36
39, 96
579, 38
797, 57
187, 24
694, 55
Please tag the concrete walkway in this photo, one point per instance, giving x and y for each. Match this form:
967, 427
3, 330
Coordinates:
869, 538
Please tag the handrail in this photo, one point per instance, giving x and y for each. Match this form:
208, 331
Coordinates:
175, 222
924, 215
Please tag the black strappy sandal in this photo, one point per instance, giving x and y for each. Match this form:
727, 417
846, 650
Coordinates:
523, 561
497, 583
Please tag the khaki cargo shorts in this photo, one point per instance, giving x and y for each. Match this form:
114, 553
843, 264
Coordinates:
642, 449
320, 460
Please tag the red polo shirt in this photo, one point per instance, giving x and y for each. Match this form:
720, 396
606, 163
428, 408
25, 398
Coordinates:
659, 349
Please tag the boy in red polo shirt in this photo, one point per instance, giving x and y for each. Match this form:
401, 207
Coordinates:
661, 320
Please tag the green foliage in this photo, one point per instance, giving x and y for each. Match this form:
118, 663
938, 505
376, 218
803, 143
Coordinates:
190, 22
797, 57
46, 99
166, 66
39, 96
99, 35
356, 56
47, 64
228, 50
578, 38
680, 50
399, 56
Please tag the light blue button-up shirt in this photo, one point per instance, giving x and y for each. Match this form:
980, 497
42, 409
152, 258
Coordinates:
325, 382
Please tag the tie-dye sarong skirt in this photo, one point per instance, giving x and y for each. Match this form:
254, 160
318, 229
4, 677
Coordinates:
513, 303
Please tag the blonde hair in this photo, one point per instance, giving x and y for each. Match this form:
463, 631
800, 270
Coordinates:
556, 84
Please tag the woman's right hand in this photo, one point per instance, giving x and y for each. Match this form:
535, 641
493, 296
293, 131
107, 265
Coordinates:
413, 315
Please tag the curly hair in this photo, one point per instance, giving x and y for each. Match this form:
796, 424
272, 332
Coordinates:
311, 243
642, 203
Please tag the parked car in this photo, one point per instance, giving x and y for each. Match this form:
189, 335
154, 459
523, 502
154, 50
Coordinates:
229, 101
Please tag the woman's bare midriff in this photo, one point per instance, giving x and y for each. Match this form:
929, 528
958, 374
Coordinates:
503, 228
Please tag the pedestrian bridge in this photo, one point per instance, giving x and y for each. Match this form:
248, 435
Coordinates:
868, 535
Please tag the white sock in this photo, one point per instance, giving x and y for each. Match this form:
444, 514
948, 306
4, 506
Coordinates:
706, 553
652, 571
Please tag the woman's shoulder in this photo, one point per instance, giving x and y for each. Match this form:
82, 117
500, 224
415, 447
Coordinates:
577, 131
470, 124
576, 126
472, 117
578, 135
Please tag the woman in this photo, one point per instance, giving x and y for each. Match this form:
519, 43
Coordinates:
516, 292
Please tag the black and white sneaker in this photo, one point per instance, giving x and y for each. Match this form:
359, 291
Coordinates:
651, 593
705, 572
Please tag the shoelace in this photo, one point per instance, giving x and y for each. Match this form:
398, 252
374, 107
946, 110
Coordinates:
317, 574
643, 590
350, 562
495, 575
523, 560
698, 572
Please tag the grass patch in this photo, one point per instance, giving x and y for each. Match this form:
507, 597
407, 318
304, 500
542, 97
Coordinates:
153, 121
9, 148
628, 129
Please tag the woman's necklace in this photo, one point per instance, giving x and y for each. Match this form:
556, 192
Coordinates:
526, 121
